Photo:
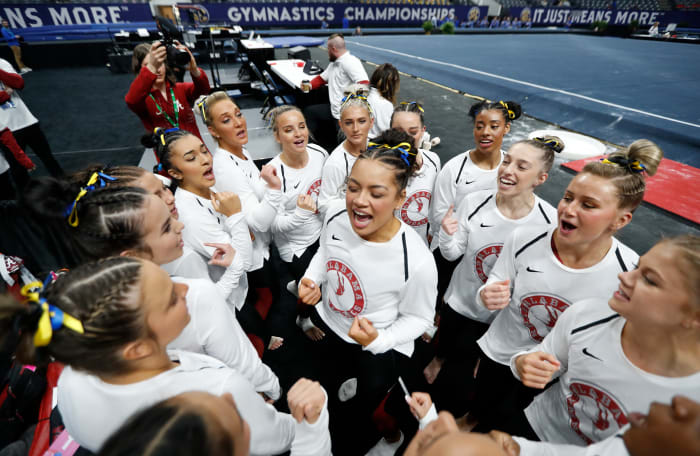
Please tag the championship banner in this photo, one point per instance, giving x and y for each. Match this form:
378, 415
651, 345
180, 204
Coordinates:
584, 17
38, 15
314, 14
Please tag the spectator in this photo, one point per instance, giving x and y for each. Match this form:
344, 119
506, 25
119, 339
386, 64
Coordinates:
495, 22
13, 42
384, 86
516, 24
505, 23
156, 98
484, 22
654, 29
324, 24
15, 115
8, 144
346, 22
343, 70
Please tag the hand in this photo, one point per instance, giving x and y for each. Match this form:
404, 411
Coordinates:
156, 57
363, 331
449, 223
496, 295
419, 403
226, 203
309, 292
506, 442
9, 91
536, 369
223, 255
193, 63
269, 175
306, 202
306, 400
305, 87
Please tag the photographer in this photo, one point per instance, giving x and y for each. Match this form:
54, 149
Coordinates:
156, 98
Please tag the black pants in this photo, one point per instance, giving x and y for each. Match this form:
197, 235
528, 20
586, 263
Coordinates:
453, 390
33, 137
445, 269
7, 191
500, 400
323, 127
352, 430
261, 280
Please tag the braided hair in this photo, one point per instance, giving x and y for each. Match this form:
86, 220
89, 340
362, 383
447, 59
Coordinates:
104, 296
161, 141
395, 149
548, 145
510, 109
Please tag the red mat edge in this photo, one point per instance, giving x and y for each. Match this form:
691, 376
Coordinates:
669, 189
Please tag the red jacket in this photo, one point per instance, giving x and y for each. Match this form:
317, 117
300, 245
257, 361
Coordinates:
186, 93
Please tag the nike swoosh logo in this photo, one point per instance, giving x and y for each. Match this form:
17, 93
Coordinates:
585, 352
469, 182
529, 269
485, 226
296, 185
334, 237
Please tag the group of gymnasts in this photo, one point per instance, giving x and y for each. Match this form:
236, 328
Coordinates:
376, 246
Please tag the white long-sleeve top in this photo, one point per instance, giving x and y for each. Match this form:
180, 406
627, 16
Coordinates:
335, 175
294, 229
598, 385
458, 177
393, 284
258, 202
382, 110
479, 238
415, 211
93, 409
192, 265
542, 288
213, 330
612, 446
204, 225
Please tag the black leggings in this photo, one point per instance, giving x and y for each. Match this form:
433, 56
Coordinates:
453, 389
500, 400
33, 137
352, 430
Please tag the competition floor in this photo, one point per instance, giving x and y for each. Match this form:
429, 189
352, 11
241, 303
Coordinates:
610, 88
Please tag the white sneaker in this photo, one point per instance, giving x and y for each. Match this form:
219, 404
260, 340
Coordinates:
25, 70
384, 448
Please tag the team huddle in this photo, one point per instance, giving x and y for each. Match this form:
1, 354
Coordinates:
419, 287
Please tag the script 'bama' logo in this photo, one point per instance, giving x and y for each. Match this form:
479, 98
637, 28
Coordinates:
414, 211
315, 188
540, 313
594, 414
345, 294
485, 259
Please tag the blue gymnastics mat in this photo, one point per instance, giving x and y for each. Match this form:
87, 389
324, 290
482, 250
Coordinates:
618, 90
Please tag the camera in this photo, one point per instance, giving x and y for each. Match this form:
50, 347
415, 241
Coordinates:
175, 57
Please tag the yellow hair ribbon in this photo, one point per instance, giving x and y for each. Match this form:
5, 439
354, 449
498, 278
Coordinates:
511, 113
420, 108
73, 215
201, 105
634, 166
51, 319
551, 143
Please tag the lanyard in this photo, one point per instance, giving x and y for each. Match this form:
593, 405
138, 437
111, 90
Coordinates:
175, 124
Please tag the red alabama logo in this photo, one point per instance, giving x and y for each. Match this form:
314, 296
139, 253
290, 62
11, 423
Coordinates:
485, 259
540, 313
595, 414
345, 294
412, 211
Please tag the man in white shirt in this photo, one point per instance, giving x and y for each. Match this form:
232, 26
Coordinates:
343, 70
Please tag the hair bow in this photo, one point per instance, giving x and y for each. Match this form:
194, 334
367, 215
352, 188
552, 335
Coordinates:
553, 144
202, 105
98, 179
404, 149
52, 318
511, 113
633, 165
161, 133
420, 108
